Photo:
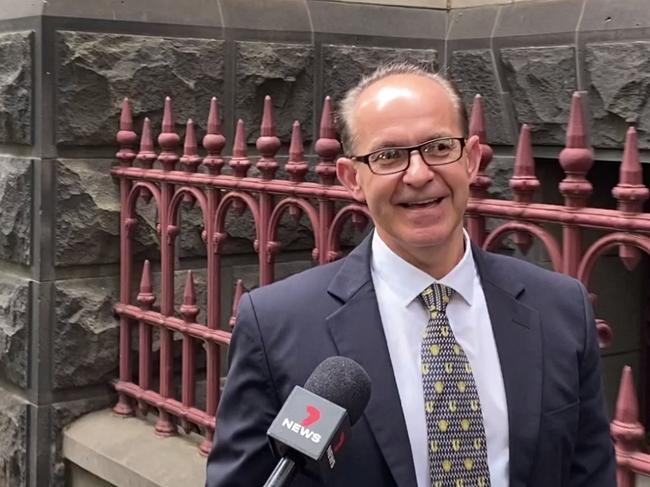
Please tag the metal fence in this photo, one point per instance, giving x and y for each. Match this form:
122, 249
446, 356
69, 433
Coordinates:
191, 179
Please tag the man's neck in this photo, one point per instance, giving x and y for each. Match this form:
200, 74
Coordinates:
438, 260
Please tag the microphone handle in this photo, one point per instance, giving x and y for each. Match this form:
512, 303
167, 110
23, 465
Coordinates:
283, 473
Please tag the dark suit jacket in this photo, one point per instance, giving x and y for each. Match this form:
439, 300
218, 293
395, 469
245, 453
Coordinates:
546, 340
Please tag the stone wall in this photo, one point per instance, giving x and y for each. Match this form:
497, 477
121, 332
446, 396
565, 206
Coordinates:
67, 65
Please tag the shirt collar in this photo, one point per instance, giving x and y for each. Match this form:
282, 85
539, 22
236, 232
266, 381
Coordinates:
407, 281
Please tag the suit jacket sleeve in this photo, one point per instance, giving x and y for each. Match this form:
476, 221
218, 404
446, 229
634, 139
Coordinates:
241, 456
593, 462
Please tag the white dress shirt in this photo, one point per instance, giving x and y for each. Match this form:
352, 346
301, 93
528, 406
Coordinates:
398, 285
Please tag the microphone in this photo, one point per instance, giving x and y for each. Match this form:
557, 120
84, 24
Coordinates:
314, 422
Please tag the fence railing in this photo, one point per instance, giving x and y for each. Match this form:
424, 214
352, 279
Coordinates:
199, 180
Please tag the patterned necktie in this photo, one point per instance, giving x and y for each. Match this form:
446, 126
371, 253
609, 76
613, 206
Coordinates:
455, 432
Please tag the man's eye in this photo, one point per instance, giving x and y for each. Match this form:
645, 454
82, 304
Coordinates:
388, 155
439, 147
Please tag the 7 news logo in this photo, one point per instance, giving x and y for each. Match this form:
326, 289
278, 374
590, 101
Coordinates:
302, 428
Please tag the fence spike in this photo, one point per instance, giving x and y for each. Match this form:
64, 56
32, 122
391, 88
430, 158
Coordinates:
190, 158
296, 166
214, 122
239, 161
168, 138
214, 141
327, 147
267, 143
626, 429
126, 137
189, 310
576, 158
477, 119
267, 128
576, 136
146, 297
631, 172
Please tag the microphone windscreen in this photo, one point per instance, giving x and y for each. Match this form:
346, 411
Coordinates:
342, 381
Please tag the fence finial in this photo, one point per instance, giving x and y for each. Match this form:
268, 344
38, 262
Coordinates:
189, 310
296, 166
190, 158
239, 161
126, 137
146, 297
267, 144
214, 141
626, 429
631, 193
576, 158
477, 127
168, 138
327, 147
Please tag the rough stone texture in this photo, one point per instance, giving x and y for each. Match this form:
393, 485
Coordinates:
85, 346
283, 71
99, 70
63, 414
619, 82
13, 440
87, 213
500, 170
474, 73
541, 82
16, 214
16, 88
343, 66
14, 329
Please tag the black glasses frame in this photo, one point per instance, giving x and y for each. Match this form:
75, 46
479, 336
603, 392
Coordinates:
366, 157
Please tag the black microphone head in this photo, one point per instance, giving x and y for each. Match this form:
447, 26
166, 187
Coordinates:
342, 381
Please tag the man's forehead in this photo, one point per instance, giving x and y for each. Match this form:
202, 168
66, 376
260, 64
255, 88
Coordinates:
400, 87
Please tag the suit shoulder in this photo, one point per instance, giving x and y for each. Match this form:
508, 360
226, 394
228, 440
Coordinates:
532, 274
296, 288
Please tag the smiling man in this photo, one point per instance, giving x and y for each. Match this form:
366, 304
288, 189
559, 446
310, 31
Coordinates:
485, 369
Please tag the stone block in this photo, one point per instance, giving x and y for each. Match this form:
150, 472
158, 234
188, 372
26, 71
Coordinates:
16, 215
85, 345
13, 440
16, 88
500, 170
343, 66
87, 213
283, 71
474, 73
541, 82
63, 414
14, 329
619, 80
99, 70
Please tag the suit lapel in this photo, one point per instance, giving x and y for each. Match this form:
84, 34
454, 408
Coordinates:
358, 333
518, 339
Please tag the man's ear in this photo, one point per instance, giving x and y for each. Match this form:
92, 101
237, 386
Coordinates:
473, 153
348, 174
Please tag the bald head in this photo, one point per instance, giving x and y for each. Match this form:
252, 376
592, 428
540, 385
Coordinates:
388, 85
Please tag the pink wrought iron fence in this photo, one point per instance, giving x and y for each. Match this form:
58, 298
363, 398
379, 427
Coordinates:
198, 180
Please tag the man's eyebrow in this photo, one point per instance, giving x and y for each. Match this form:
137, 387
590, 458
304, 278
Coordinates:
386, 144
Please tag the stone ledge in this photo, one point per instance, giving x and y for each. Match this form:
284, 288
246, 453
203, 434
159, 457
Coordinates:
125, 451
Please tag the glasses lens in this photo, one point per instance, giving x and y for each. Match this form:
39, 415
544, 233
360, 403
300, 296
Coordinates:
388, 160
441, 151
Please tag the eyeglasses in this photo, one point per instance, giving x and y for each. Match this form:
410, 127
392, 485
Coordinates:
436, 152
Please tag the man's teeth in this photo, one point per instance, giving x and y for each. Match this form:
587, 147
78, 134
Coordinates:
425, 203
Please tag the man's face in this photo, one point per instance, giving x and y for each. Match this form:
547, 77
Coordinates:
421, 208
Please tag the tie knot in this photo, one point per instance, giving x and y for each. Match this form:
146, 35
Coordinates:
436, 297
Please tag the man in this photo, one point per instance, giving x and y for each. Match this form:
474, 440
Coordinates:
485, 369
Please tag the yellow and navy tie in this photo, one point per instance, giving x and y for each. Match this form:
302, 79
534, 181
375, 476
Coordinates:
455, 431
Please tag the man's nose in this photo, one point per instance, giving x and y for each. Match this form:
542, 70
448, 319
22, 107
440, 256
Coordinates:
418, 172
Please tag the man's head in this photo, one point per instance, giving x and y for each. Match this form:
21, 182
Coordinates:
416, 197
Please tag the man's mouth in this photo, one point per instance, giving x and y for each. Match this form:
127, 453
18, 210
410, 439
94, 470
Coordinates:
424, 203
